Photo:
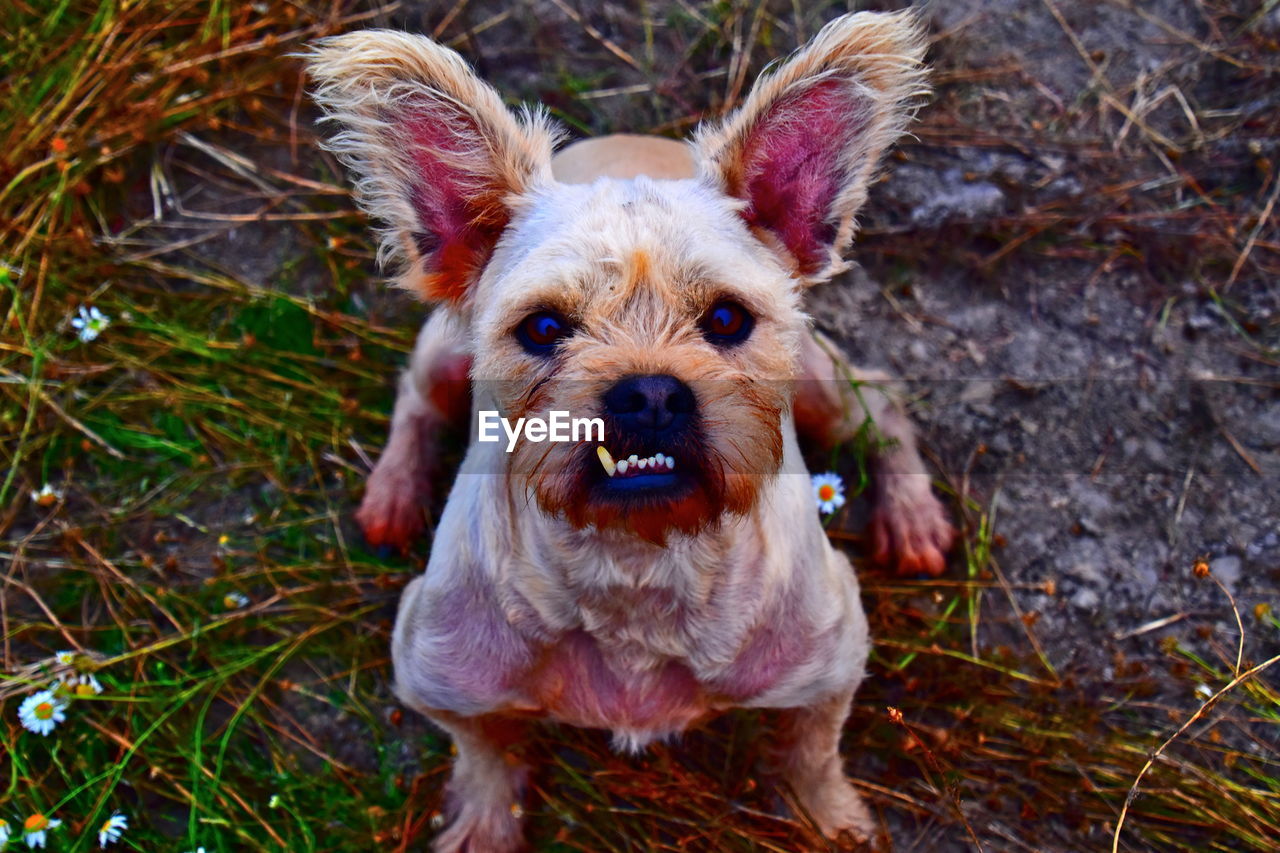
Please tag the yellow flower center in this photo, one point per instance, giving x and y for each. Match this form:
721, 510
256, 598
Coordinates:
84, 689
826, 492
35, 823
108, 826
43, 712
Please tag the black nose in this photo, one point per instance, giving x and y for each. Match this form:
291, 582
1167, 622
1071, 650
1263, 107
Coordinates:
657, 404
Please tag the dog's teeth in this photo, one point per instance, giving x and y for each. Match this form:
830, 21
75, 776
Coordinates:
633, 459
623, 465
642, 464
606, 460
671, 463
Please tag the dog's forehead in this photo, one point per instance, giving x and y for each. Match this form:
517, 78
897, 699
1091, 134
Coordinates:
568, 232
637, 204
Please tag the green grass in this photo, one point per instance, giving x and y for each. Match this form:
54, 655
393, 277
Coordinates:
214, 439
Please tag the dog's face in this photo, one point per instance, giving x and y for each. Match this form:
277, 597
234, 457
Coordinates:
669, 309
651, 306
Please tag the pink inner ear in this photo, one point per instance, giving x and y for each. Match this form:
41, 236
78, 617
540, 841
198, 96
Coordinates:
794, 170
459, 212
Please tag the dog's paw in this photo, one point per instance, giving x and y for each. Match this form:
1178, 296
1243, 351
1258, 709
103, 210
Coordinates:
838, 811
393, 512
910, 529
481, 830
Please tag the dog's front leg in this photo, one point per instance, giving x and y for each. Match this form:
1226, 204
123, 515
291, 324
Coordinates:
484, 793
833, 401
432, 397
805, 753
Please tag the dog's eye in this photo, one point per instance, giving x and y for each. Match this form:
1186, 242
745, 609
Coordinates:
726, 323
541, 331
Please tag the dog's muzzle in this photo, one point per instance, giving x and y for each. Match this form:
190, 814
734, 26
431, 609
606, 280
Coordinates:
652, 416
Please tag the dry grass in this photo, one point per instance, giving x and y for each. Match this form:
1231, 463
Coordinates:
158, 163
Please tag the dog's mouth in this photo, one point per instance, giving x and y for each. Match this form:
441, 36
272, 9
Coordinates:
637, 473
650, 496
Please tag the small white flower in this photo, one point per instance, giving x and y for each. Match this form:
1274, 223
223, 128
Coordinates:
91, 323
66, 658
34, 829
235, 600
1204, 691
828, 491
5, 832
41, 712
112, 829
47, 496
85, 685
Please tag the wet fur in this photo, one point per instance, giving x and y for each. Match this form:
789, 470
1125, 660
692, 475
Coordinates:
541, 597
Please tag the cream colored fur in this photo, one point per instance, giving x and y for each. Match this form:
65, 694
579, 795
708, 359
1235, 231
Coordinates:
632, 237
624, 156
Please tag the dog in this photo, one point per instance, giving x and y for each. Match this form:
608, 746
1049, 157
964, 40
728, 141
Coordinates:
677, 567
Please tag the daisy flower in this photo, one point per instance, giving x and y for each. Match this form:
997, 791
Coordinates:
5, 832
828, 491
91, 323
66, 658
41, 712
35, 827
47, 496
235, 600
112, 829
85, 685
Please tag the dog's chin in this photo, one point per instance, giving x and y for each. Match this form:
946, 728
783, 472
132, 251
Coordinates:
650, 506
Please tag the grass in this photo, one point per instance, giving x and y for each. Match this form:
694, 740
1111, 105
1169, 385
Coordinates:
158, 163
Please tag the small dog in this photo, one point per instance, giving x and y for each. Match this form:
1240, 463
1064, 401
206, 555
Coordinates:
657, 286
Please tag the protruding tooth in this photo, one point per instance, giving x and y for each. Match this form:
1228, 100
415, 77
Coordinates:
633, 459
622, 466
642, 464
671, 463
606, 460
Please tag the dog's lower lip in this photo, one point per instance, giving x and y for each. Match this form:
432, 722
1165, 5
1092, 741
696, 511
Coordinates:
643, 482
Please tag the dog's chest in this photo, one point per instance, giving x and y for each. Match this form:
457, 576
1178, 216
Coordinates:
646, 664
576, 682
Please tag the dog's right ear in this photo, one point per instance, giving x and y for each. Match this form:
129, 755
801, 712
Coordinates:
439, 159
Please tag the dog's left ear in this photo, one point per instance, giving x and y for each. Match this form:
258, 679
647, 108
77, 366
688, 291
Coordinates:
806, 142
439, 159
